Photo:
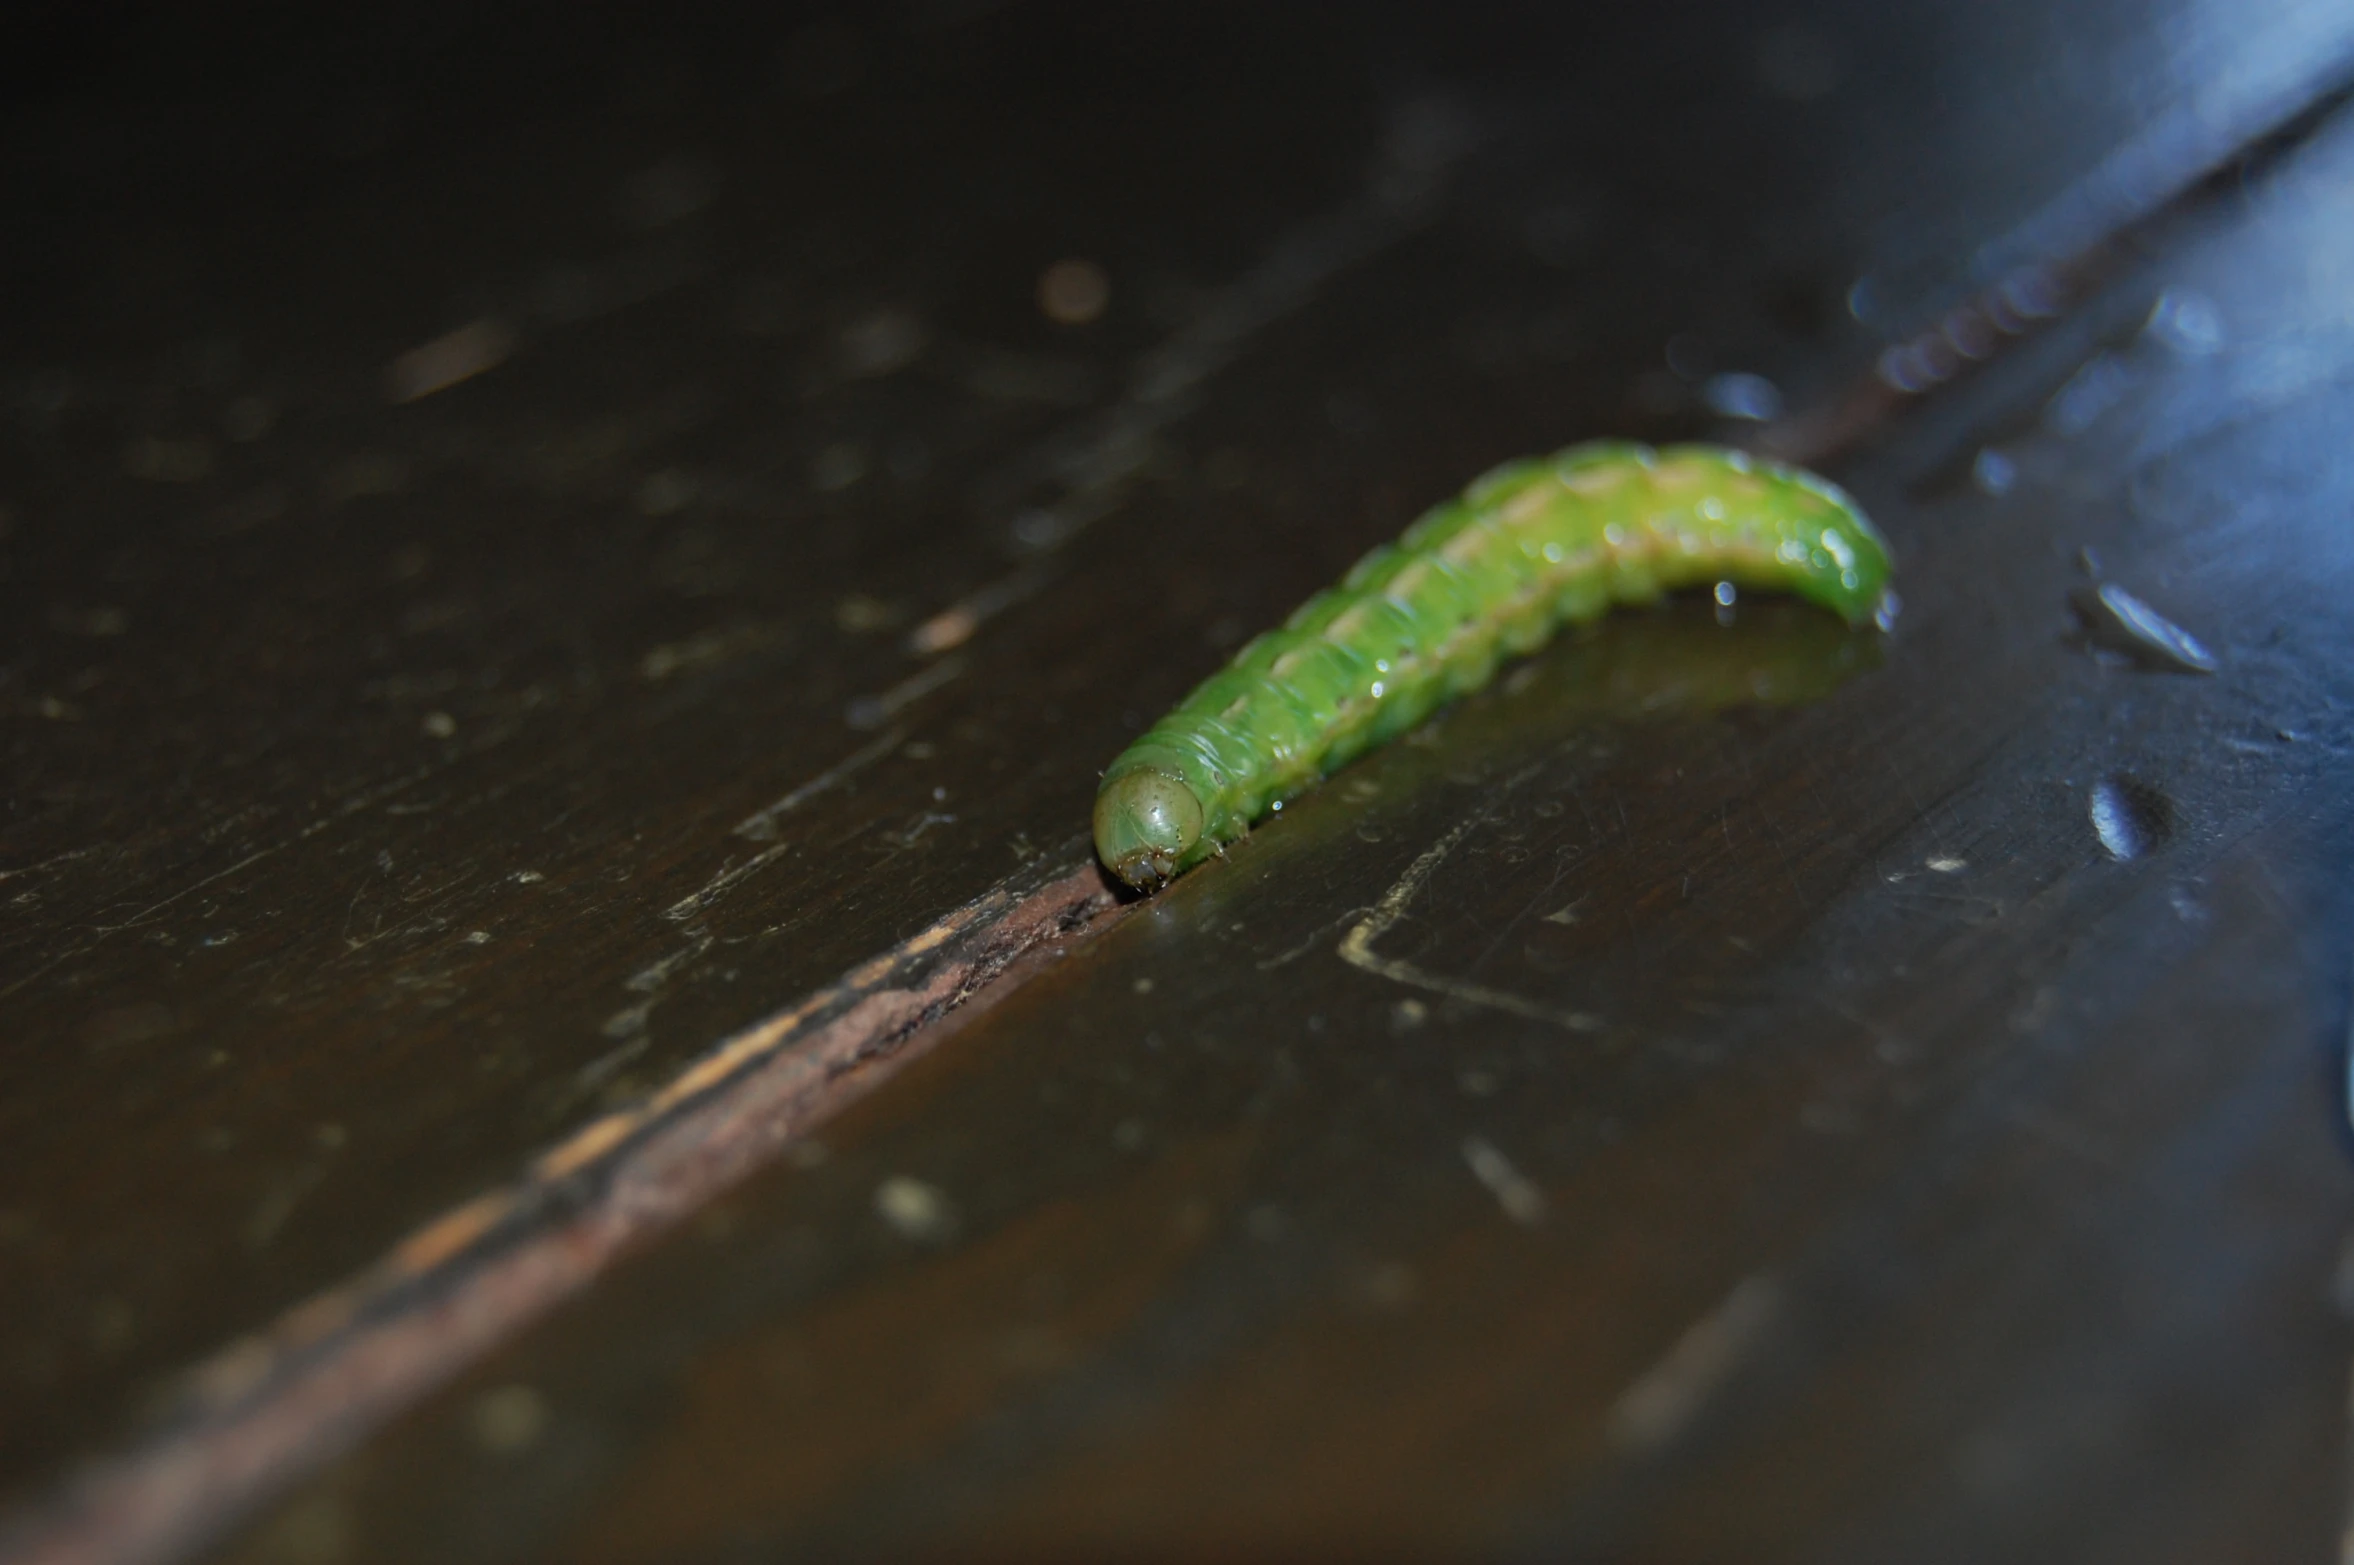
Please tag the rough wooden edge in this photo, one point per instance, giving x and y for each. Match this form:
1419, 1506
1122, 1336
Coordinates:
271, 1408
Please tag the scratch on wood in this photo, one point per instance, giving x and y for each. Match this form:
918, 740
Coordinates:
760, 825
651, 977
51, 862
726, 880
1664, 1398
1521, 1200
99, 932
955, 625
1356, 948
1314, 938
1091, 465
629, 1023
876, 710
907, 836
268, 1409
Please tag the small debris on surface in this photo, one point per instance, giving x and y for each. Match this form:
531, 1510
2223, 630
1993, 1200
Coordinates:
951, 627
1522, 1201
455, 356
1663, 1400
916, 1210
508, 1420
1073, 291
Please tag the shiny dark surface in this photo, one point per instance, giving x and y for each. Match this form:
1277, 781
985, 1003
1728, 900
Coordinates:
1729, 1089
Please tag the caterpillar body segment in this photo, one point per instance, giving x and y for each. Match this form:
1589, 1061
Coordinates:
1483, 577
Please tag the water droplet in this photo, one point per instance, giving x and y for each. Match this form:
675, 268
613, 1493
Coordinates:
2096, 388
2122, 619
1742, 396
2130, 817
2186, 322
1993, 472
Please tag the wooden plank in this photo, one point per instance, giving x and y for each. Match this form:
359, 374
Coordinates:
404, 789
1958, 1170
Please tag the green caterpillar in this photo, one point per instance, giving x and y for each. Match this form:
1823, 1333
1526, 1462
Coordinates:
1533, 545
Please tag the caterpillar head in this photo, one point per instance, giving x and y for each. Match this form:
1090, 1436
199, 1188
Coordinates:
1145, 823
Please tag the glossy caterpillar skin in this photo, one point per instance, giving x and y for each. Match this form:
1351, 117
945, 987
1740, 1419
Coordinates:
1491, 574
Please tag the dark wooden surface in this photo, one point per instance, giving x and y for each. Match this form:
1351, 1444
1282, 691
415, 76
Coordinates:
1954, 1165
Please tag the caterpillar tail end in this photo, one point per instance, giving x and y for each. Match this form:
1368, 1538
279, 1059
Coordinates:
1146, 822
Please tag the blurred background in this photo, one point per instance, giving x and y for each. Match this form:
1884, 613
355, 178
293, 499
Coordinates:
535, 537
